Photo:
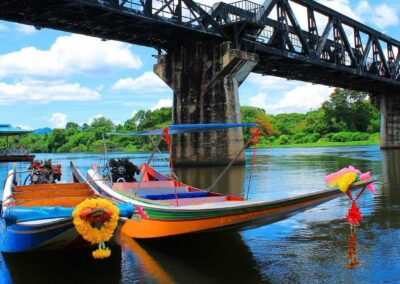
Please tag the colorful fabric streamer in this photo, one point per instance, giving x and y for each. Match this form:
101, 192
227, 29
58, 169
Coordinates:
346, 176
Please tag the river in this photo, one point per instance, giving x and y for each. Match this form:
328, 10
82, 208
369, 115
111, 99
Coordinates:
311, 247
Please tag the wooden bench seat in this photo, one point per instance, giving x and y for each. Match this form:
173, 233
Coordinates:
155, 191
58, 201
53, 193
51, 186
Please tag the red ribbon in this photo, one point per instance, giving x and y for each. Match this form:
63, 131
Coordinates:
165, 137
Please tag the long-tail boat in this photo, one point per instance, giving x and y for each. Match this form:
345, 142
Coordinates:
166, 207
38, 215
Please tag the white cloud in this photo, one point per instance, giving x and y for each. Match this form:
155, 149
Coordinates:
25, 127
44, 92
162, 103
25, 29
381, 16
146, 83
341, 6
134, 112
58, 120
270, 82
69, 55
300, 99
91, 119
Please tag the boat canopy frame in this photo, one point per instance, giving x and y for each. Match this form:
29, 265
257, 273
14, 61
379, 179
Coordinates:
164, 135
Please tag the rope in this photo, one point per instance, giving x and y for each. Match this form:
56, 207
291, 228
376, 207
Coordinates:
147, 164
106, 156
168, 141
255, 133
229, 165
159, 151
348, 193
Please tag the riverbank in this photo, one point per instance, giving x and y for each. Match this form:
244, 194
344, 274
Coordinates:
323, 144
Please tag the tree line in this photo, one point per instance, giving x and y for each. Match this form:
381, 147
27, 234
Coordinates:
345, 117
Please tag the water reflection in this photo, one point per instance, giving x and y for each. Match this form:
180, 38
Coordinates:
132, 249
231, 183
311, 247
212, 258
62, 267
352, 251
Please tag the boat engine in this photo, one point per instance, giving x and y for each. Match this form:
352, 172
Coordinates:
45, 172
122, 170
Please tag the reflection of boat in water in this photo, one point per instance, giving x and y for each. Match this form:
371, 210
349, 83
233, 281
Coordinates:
39, 215
70, 266
151, 266
207, 258
167, 207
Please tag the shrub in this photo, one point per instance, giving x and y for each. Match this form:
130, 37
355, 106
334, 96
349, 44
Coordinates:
347, 136
283, 140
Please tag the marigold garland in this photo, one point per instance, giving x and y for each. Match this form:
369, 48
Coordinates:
101, 252
97, 235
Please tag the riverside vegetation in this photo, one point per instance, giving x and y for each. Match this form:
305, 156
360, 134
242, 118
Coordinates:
347, 118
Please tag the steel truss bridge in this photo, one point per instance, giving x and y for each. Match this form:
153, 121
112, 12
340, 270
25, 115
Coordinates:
295, 39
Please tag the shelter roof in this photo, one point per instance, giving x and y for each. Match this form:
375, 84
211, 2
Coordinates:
8, 130
186, 128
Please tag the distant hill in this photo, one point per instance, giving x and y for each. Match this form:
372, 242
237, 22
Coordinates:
42, 131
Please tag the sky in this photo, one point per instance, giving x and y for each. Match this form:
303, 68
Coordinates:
48, 77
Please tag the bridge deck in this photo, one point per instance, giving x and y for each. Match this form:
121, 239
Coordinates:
344, 53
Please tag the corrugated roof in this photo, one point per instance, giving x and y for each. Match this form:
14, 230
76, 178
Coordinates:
8, 130
186, 128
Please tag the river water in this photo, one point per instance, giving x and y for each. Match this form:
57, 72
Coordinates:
311, 247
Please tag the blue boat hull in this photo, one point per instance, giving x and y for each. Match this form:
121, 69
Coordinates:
28, 236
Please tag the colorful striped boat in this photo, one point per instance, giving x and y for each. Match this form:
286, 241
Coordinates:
157, 214
39, 216
167, 207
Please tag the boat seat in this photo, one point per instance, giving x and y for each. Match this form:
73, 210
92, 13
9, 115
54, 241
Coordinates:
157, 190
51, 186
195, 201
52, 193
144, 184
57, 201
194, 194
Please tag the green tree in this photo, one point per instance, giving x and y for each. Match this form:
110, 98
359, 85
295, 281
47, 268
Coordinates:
72, 125
102, 123
348, 110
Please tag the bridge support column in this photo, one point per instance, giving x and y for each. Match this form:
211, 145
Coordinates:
205, 77
389, 106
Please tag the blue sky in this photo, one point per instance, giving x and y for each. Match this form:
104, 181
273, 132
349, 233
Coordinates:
48, 78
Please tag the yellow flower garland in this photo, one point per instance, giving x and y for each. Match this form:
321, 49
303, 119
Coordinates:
97, 235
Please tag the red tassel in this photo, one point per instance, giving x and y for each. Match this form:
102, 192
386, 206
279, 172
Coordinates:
354, 215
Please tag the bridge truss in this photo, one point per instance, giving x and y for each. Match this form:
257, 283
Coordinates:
295, 39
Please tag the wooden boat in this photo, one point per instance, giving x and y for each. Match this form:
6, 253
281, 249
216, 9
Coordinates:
167, 207
39, 216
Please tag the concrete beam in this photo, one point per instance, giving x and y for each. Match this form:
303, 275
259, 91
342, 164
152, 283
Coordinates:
205, 77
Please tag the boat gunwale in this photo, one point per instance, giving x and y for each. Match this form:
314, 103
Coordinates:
246, 204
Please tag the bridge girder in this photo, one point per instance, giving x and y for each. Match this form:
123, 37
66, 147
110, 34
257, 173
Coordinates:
340, 52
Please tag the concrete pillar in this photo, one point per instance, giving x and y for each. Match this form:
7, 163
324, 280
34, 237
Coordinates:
389, 106
205, 77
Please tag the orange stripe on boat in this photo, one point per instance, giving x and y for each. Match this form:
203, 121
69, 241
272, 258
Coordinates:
152, 228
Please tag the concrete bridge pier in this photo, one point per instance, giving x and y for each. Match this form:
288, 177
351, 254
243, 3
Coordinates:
205, 77
389, 105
